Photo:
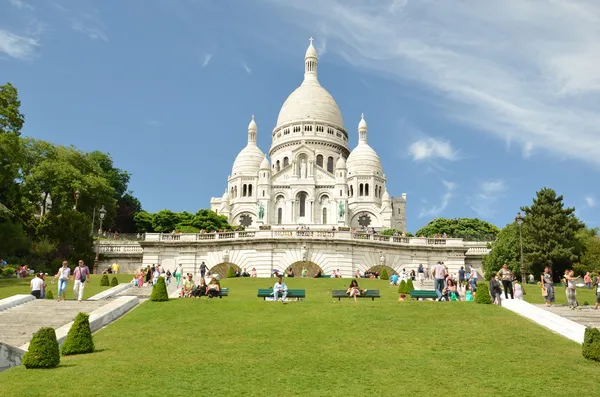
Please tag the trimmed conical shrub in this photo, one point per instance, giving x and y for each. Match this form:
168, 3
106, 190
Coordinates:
104, 281
483, 294
114, 282
79, 339
591, 344
43, 350
159, 291
230, 272
409, 285
402, 287
384, 275
49, 295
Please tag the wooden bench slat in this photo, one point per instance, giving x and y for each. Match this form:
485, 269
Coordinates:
341, 293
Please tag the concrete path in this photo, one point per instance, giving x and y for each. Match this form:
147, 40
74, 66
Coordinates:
587, 316
19, 323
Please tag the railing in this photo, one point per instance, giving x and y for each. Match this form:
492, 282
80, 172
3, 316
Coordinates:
125, 236
320, 234
120, 249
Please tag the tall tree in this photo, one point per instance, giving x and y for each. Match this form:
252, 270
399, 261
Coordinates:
506, 249
549, 230
467, 228
127, 207
11, 119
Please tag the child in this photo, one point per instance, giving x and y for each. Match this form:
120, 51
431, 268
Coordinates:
134, 282
518, 290
468, 293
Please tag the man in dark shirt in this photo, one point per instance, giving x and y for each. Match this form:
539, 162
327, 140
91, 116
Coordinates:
461, 275
203, 269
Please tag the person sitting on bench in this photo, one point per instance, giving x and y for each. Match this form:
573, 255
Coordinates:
280, 289
213, 288
353, 290
200, 289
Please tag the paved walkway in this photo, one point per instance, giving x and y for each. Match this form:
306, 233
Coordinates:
144, 292
18, 324
586, 316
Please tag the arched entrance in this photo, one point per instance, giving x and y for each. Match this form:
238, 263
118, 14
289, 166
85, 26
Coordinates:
311, 267
379, 268
222, 268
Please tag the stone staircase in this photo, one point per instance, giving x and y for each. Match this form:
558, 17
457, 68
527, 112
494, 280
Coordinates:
144, 292
19, 323
585, 316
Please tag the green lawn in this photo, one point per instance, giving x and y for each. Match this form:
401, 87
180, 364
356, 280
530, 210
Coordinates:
243, 346
13, 286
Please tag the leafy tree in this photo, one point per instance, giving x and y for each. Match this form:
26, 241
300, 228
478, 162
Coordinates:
165, 221
588, 252
210, 221
14, 241
127, 207
391, 232
466, 228
143, 222
11, 119
506, 249
70, 232
549, 232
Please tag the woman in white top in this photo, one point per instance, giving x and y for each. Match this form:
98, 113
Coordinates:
63, 279
36, 285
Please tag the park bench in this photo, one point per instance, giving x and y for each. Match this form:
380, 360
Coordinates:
425, 294
223, 292
370, 293
292, 293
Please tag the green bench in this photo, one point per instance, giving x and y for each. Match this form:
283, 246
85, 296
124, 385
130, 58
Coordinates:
425, 294
292, 293
223, 292
370, 293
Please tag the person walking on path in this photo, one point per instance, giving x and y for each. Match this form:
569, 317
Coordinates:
63, 279
495, 290
203, 269
36, 285
178, 273
587, 279
571, 291
519, 291
439, 273
507, 278
548, 286
81, 275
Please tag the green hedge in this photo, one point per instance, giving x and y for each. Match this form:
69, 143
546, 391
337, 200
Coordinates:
384, 275
402, 287
114, 282
591, 344
104, 281
230, 272
8, 271
159, 291
483, 294
43, 350
49, 295
409, 285
79, 339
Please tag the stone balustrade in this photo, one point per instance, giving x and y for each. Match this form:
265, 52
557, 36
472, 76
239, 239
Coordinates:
121, 249
301, 234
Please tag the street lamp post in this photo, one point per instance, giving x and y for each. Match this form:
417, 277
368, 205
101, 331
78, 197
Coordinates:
102, 213
519, 220
76, 200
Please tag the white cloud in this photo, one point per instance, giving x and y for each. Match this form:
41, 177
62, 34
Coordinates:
246, 67
430, 148
207, 58
20, 4
527, 150
590, 201
437, 209
90, 31
16, 46
523, 70
487, 194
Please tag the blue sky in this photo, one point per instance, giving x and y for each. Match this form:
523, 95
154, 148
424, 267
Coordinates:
472, 107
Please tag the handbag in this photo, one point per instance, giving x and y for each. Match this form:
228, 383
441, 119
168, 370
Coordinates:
544, 291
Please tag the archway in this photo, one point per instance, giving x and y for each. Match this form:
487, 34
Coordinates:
379, 268
311, 267
222, 268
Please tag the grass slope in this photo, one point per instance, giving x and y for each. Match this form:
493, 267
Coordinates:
243, 346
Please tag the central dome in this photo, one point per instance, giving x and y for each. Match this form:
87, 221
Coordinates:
310, 101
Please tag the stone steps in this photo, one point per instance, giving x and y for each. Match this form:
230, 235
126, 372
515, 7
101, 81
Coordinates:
18, 324
585, 316
144, 292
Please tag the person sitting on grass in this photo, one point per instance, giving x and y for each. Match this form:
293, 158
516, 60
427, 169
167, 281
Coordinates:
468, 293
200, 289
187, 287
353, 290
280, 289
452, 290
394, 279
213, 288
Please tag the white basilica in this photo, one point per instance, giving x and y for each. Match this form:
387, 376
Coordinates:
313, 178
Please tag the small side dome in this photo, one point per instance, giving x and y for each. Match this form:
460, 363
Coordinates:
265, 164
385, 196
225, 197
340, 164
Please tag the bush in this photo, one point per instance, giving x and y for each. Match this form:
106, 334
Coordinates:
586, 303
43, 350
8, 271
230, 272
79, 339
49, 295
104, 281
591, 344
409, 285
483, 294
402, 287
384, 275
159, 291
114, 282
